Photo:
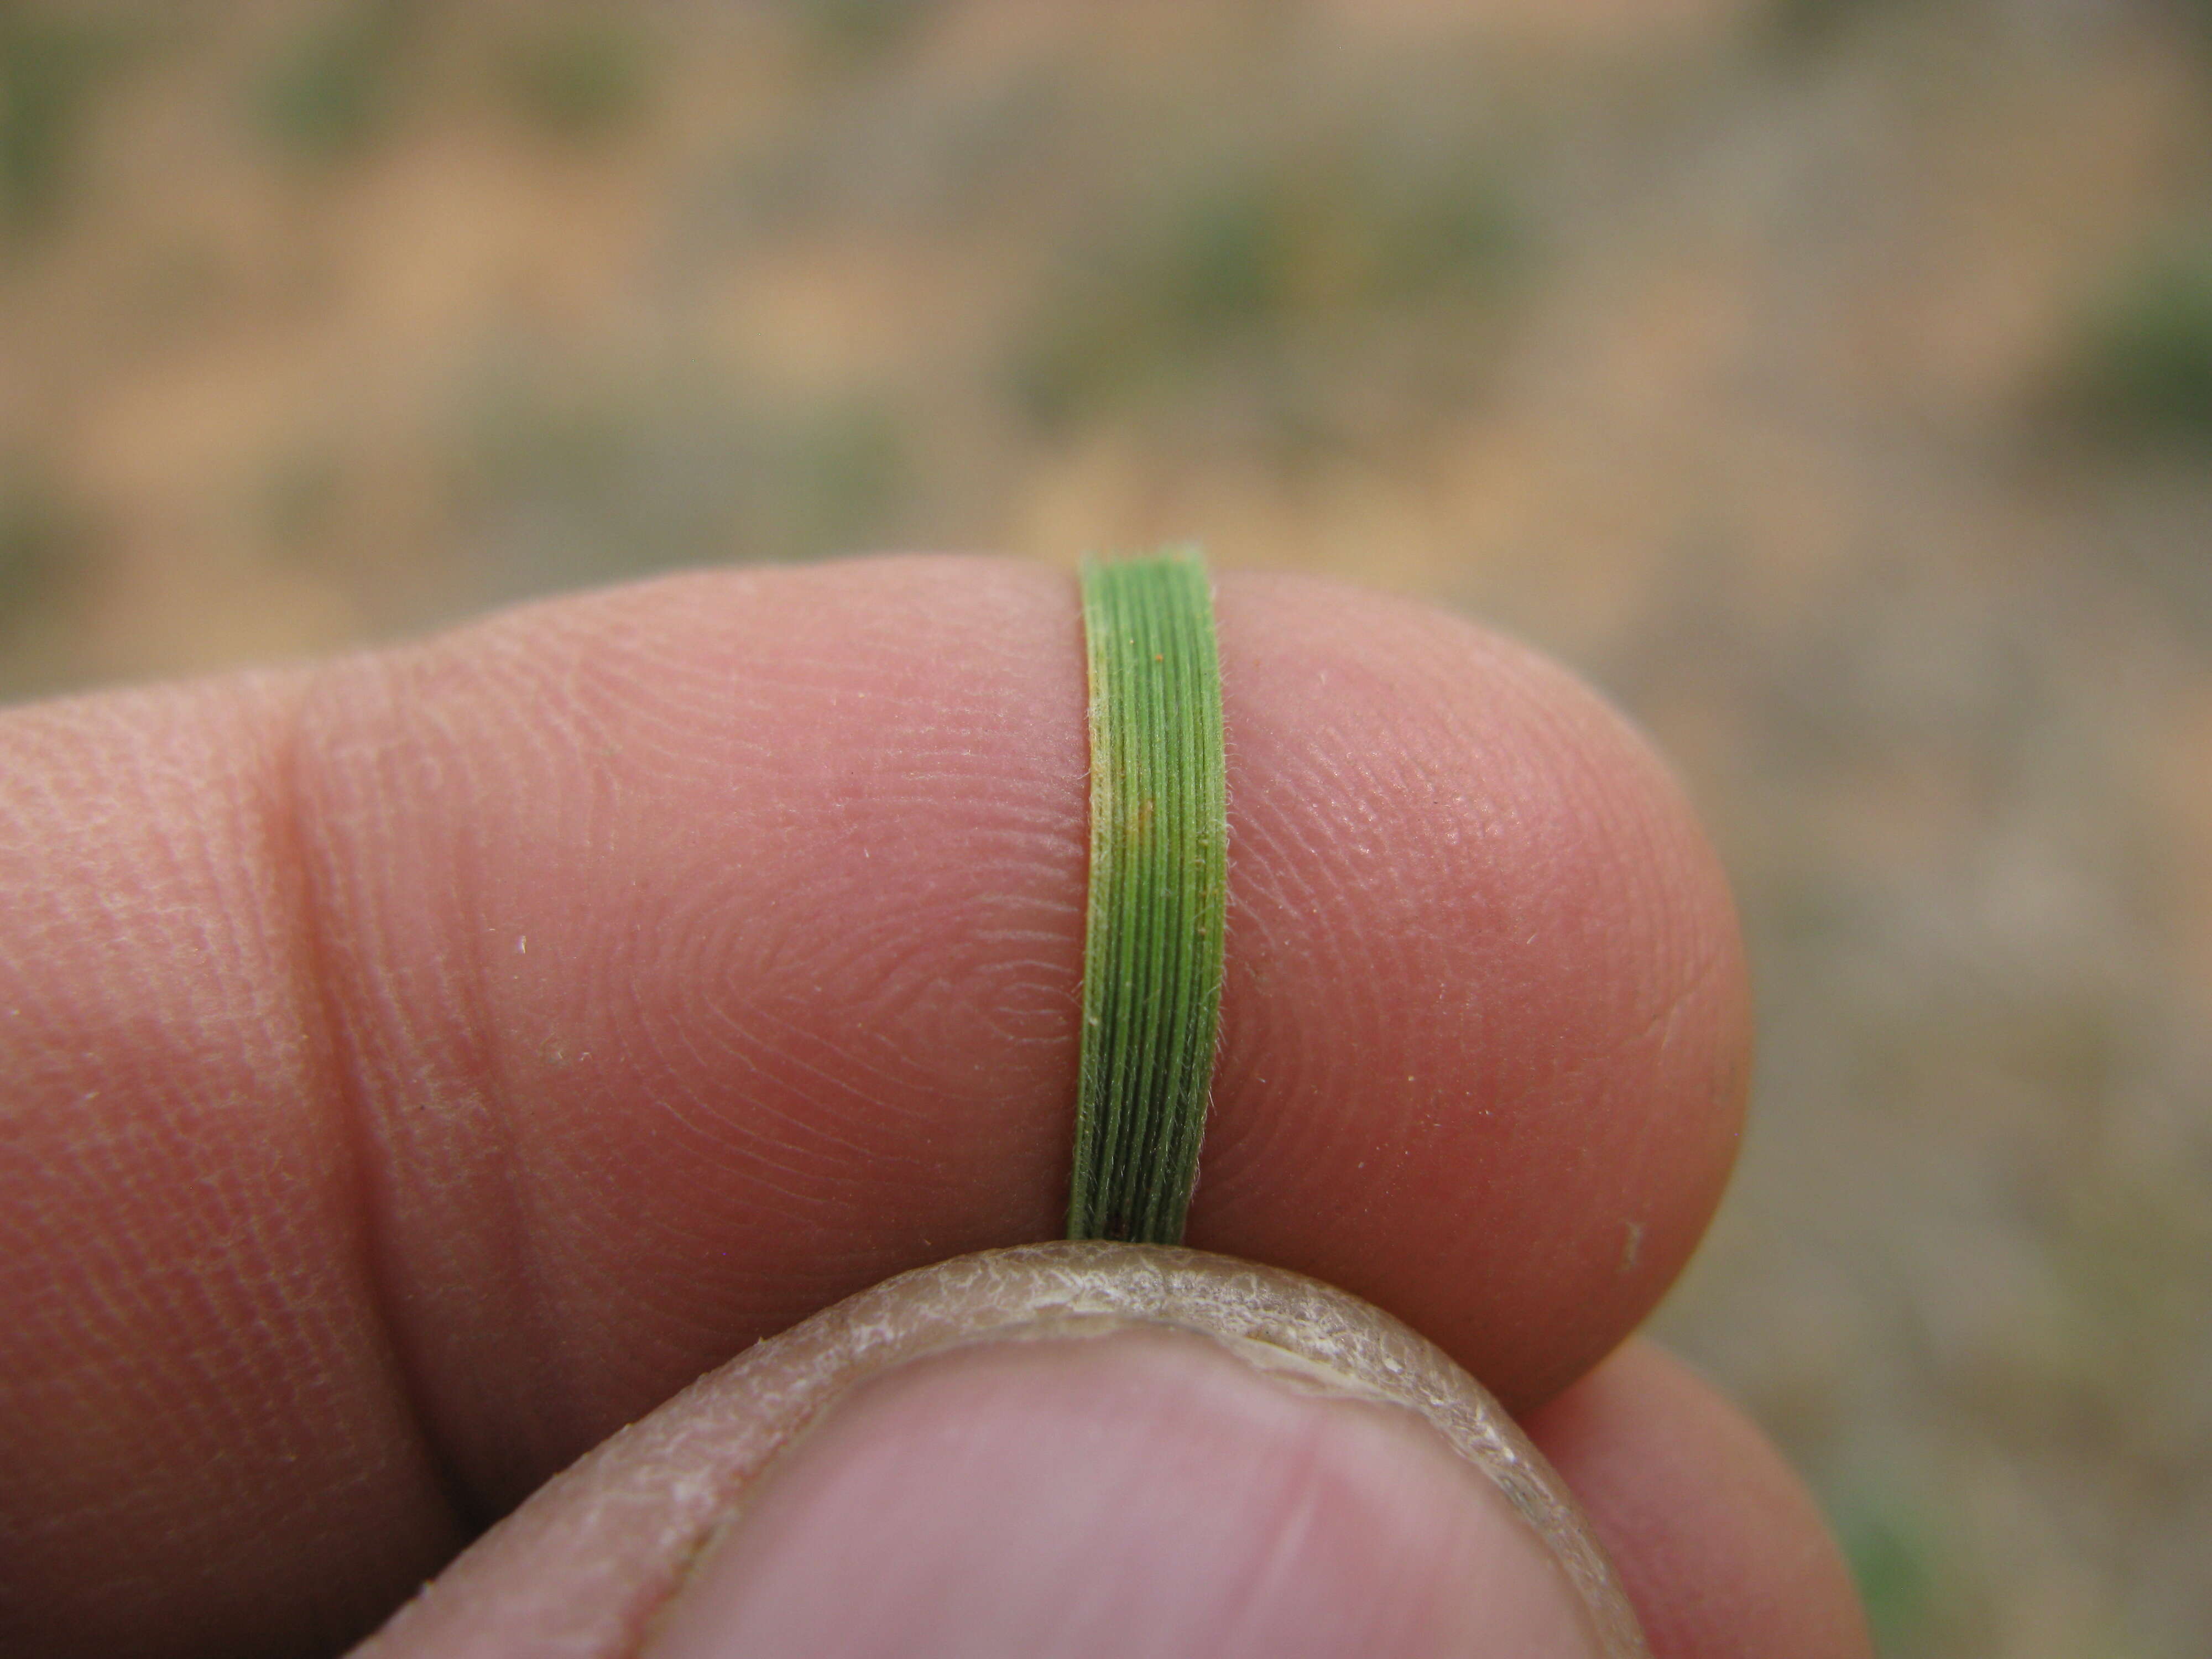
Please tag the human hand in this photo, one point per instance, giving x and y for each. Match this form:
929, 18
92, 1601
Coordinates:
416, 1068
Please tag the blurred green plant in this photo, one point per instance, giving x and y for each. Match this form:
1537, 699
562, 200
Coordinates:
845, 466
300, 498
1891, 1556
332, 86
1240, 268
49, 68
850, 34
578, 76
565, 479
2142, 365
1811, 25
39, 538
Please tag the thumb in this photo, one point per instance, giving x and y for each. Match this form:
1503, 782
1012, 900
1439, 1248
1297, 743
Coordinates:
1067, 1450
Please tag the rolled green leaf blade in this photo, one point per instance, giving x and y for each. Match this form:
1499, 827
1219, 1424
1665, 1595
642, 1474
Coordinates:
1152, 946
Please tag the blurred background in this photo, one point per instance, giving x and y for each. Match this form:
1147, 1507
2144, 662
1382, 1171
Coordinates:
1830, 380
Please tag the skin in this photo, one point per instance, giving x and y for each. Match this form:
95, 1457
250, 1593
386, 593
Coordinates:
417, 1066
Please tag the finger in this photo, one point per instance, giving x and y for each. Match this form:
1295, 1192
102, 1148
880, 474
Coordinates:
1071, 1449
1721, 1549
420, 1068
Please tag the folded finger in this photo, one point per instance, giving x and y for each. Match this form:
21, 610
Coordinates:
420, 1067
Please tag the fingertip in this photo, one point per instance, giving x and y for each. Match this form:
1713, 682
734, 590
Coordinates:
1486, 1022
1072, 1449
1143, 1492
1720, 1546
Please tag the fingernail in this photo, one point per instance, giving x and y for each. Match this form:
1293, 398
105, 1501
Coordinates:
1146, 1491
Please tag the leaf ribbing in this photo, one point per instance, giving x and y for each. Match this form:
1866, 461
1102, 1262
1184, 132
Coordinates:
1152, 947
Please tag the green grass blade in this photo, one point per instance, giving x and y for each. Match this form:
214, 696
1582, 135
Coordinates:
1152, 948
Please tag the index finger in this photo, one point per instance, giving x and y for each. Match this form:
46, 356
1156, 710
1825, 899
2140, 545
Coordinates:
422, 1066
